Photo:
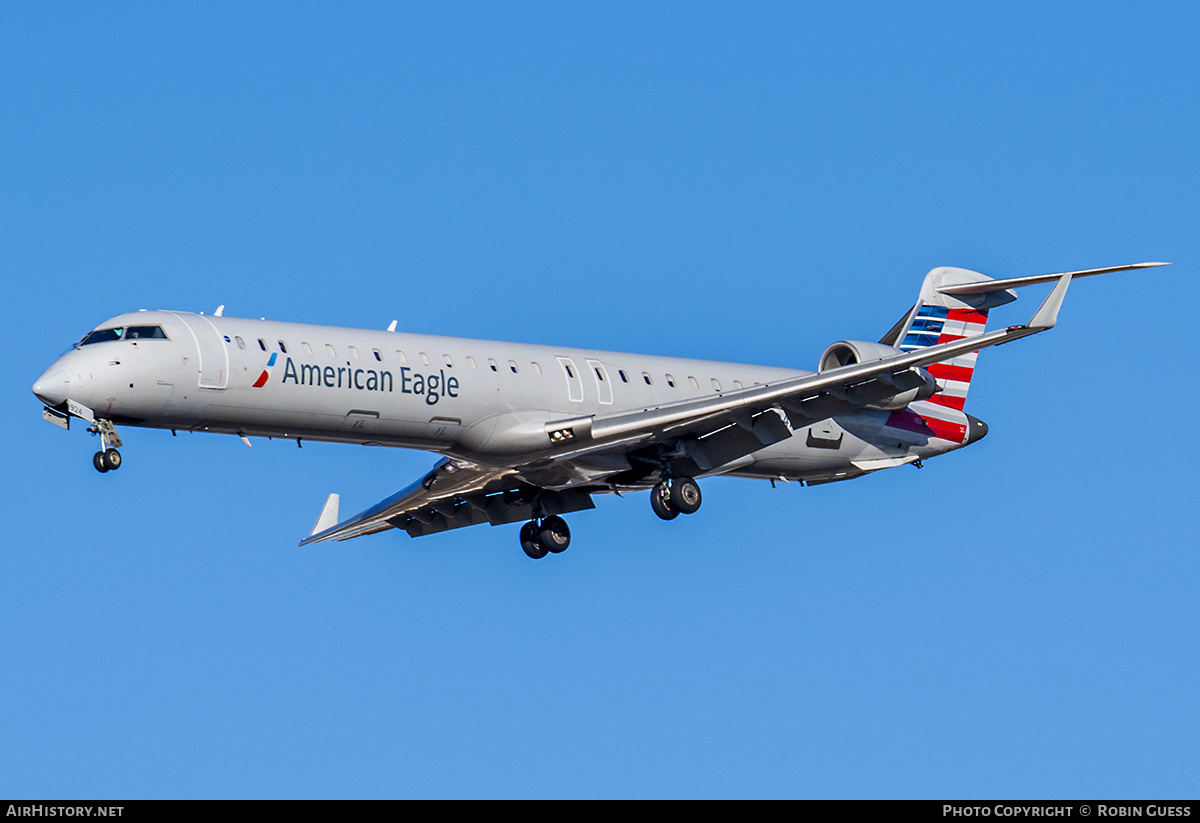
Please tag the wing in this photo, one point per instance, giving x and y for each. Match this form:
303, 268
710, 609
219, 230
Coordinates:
454, 494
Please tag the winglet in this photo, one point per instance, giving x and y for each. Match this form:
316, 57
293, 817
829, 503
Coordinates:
1047, 313
328, 516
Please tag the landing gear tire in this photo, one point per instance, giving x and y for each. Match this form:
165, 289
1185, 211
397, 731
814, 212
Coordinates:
530, 543
685, 495
99, 462
660, 501
554, 535
539, 538
111, 459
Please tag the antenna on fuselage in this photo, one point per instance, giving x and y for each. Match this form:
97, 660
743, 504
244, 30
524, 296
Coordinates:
220, 309
392, 326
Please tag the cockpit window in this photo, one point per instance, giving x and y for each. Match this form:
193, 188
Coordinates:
102, 336
129, 333
145, 333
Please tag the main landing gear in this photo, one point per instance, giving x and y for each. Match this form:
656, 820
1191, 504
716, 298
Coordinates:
108, 459
679, 496
545, 536
550, 535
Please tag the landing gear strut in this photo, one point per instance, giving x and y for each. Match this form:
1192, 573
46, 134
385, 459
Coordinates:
679, 496
545, 536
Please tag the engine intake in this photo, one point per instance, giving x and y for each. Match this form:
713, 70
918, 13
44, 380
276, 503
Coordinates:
851, 352
886, 392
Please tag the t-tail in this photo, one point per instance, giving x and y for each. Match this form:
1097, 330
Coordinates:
939, 318
953, 305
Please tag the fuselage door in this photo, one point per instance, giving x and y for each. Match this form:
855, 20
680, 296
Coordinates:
213, 367
603, 385
574, 379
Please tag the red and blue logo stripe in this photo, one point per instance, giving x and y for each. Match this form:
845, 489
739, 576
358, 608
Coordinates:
266, 373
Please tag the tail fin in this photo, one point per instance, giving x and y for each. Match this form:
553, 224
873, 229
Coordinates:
942, 318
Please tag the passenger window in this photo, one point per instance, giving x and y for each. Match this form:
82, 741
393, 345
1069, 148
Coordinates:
716, 384
492, 365
599, 374
536, 368
282, 347
624, 376
512, 365
329, 348
446, 359
400, 356
646, 377
737, 384
424, 359
670, 381
693, 382
354, 352
307, 348
471, 362
241, 344
378, 356
262, 344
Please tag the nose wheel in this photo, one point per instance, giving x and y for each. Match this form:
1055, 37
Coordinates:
108, 460
679, 496
549, 535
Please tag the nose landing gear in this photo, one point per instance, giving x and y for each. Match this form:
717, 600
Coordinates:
108, 459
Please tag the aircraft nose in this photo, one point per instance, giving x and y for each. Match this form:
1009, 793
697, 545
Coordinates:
53, 387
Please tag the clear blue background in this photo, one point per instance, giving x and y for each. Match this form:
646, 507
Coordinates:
736, 181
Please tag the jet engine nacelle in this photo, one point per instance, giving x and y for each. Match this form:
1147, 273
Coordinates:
886, 392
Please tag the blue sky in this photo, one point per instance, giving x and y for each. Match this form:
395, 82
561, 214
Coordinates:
747, 182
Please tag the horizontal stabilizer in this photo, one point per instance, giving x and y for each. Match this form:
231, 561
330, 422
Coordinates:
328, 516
1016, 282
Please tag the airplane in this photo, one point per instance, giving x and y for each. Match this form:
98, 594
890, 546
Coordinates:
532, 432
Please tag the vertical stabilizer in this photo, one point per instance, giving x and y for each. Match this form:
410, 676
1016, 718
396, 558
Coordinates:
942, 318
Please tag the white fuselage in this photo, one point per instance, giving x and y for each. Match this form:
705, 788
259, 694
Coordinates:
483, 401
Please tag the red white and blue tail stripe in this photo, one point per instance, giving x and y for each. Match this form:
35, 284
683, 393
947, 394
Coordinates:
941, 318
932, 325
